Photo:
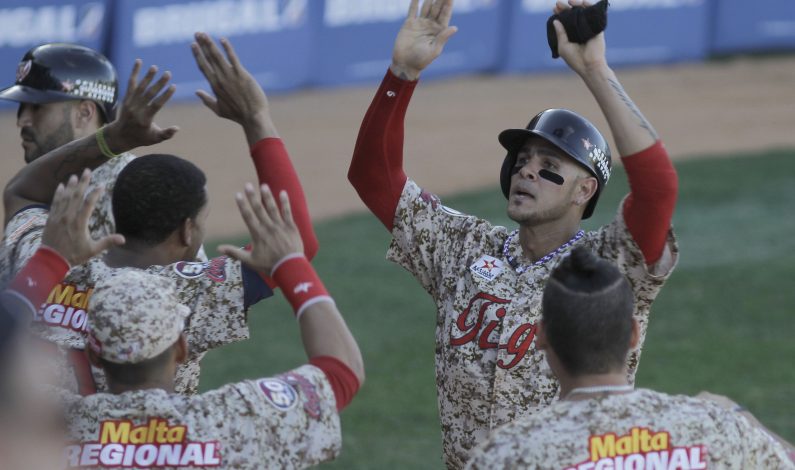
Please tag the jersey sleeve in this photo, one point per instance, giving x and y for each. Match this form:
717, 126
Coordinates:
215, 292
287, 421
22, 237
760, 450
432, 241
615, 243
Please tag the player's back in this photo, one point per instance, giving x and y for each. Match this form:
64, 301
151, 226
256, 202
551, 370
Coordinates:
641, 429
289, 421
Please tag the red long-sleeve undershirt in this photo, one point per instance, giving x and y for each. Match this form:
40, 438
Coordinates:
376, 171
275, 169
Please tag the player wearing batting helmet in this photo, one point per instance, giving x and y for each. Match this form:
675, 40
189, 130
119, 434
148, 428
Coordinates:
487, 281
587, 330
160, 204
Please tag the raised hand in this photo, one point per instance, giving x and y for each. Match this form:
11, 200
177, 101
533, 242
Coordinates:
238, 96
67, 224
274, 234
582, 58
135, 126
422, 37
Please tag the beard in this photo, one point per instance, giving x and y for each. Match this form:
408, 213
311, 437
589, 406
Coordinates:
533, 217
45, 144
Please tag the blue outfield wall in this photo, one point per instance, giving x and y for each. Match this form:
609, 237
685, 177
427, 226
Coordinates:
290, 44
355, 39
761, 25
638, 32
25, 24
273, 38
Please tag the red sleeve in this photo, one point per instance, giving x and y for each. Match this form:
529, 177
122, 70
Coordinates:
376, 170
650, 205
275, 169
43, 271
342, 379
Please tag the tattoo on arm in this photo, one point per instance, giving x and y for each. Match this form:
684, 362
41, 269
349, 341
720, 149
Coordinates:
75, 159
628, 102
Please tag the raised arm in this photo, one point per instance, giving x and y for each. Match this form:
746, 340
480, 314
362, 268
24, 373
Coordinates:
376, 170
276, 248
134, 127
652, 178
65, 242
239, 98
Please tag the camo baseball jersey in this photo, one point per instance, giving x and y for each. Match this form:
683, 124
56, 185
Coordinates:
488, 371
288, 421
212, 290
22, 234
642, 429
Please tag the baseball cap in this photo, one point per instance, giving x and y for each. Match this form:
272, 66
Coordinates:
134, 316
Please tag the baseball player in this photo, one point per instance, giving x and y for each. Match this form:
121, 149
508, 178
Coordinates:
587, 329
159, 204
137, 335
30, 436
65, 92
487, 280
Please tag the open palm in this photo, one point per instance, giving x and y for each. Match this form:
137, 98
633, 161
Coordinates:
422, 37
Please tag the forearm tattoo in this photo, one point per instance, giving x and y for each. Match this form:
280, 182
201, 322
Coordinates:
79, 154
629, 104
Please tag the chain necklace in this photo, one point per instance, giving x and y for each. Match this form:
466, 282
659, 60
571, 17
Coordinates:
522, 268
600, 389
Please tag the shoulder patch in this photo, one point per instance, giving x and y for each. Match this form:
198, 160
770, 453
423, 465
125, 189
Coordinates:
190, 269
487, 267
279, 393
312, 400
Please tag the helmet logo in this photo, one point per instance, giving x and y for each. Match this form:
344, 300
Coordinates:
587, 144
599, 160
67, 86
23, 70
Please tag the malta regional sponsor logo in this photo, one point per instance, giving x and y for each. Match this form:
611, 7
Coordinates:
65, 308
153, 444
487, 267
640, 448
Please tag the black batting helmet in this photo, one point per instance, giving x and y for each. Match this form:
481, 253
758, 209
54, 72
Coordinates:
571, 133
61, 72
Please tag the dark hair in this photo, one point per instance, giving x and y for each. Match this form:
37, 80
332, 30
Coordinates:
155, 194
587, 313
134, 374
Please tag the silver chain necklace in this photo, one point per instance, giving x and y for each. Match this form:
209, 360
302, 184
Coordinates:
522, 268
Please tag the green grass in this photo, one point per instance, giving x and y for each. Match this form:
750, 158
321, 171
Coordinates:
724, 322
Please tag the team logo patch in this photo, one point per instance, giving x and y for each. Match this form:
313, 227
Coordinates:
190, 270
23, 70
215, 269
312, 403
279, 393
487, 267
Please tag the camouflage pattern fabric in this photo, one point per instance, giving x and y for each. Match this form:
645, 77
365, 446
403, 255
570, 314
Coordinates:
488, 371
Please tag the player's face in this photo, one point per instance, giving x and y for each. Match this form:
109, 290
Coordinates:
44, 127
534, 198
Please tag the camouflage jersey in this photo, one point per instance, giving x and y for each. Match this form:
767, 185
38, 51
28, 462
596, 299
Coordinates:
641, 429
213, 290
488, 371
288, 421
22, 235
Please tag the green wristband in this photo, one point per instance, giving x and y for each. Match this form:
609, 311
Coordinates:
103, 145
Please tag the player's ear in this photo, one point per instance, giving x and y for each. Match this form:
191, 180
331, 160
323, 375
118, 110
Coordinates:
86, 114
186, 232
586, 188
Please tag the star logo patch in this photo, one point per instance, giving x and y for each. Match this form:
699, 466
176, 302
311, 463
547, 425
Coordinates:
487, 267
587, 144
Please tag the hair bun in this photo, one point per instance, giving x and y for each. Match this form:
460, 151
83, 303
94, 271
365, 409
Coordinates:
583, 260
